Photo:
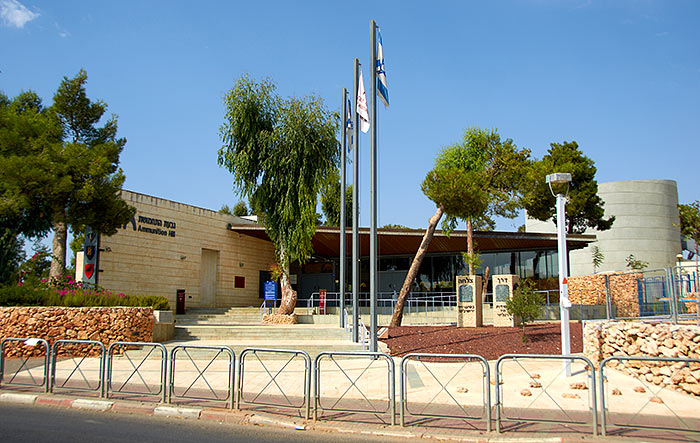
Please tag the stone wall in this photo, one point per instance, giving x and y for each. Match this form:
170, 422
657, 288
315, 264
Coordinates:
105, 324
590, 290
606, 339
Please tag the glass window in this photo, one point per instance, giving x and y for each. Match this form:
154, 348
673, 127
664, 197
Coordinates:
443, 273
528, 260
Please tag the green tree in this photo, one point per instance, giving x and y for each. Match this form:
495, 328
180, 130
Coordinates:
584, 208
87, 177
525, 304
597, 257
689, 216
240, 209
280, 153
473, 180
393, 226
330, 201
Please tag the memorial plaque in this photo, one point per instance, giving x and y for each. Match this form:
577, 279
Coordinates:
503, 290
469, 301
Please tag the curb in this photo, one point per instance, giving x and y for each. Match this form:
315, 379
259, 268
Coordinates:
264, 420
93, 405
172, 411
25, 399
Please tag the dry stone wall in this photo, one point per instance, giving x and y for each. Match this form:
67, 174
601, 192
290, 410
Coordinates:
104, 324
607, 339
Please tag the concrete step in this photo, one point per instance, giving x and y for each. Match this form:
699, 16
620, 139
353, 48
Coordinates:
312, 348
262, 332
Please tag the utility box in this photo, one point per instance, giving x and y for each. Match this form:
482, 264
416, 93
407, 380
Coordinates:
469, 301
180, 302
503, 287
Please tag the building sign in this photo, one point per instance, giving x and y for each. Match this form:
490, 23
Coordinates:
270, 295
90, 252
151, 225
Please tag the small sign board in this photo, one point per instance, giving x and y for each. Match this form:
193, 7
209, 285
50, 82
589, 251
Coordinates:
322, 301
90, 254
270, 290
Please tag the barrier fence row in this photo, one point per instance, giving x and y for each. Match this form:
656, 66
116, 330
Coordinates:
526, 388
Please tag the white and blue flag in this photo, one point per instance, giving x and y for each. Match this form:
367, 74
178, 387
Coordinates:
348, 125
362, 110
382, 88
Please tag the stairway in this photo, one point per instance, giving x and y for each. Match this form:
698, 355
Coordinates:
241, 328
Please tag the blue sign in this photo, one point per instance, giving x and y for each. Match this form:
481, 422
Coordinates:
270, 289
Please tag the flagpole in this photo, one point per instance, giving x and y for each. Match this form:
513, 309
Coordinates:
343, 255
373, 280
355, 208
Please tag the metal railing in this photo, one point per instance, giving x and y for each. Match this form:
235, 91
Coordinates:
646, 395
84, 367
24, 370
353, 376
566, 412
270, 378
201, 366
121, 351
410, 375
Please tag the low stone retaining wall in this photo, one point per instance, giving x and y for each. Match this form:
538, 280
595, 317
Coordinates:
607, 339
104, 324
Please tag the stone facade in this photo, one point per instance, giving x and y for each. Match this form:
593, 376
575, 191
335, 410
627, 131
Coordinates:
170, 246
606, 339
105, 324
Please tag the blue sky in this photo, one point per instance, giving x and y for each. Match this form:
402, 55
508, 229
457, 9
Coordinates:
619, 77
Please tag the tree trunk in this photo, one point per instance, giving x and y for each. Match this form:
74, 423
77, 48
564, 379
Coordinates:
485, 283
470, 246
289, 296
58, 261
397, 316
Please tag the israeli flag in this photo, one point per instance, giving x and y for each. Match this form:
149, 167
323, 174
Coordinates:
382, 88
348, 126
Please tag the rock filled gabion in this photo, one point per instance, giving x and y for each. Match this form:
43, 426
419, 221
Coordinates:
607, 339
103, 324
624, 291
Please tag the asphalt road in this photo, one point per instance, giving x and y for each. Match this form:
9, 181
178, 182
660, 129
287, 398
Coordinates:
34, 424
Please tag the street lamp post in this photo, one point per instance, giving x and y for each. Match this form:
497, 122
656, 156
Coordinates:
564, 303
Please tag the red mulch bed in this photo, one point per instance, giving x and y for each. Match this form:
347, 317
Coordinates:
488, 341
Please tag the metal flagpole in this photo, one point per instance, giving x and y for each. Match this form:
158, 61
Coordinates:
343, 255
373, 190
355, 208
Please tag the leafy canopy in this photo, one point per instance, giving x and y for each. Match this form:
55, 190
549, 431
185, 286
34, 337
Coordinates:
584, 208
525, 303
478, 178
330, 201
280, 152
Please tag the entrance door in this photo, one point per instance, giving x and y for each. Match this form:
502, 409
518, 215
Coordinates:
207, 278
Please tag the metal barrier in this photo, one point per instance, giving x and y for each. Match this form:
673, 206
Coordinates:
367, 370
647, 395
78, 366
406, 379
201, 370
24, 368
540, 417
136, 369
267, 399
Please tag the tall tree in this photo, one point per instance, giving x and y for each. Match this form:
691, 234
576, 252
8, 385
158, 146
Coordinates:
280, 152
59, 168
87, 174
690, 221
584, 208
474, 180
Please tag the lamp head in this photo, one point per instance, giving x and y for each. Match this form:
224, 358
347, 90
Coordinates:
558, 177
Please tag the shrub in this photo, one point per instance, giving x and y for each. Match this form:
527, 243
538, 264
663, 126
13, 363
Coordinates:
525, 303
65, 291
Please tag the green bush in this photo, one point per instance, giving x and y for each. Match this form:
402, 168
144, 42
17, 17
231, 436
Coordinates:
66, 292
525, 303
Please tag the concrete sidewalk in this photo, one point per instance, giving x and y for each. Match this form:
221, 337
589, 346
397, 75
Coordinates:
531, 389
